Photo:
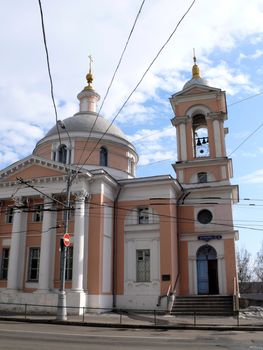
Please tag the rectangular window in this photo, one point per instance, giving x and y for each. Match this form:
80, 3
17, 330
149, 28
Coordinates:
69, 264
143, 215
4, 263
33, 264
143, 265
38, 213
9, 215
202, 177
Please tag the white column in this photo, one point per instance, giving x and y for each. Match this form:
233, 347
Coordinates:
48, 241
17, 251
78, 250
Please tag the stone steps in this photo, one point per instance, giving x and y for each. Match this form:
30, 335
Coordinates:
203, 305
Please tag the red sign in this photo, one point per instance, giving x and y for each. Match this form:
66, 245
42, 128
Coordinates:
66, 239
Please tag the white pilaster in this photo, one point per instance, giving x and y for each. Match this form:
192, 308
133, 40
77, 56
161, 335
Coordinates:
192, 275
183, 146
47, 251
217, 138
221, 275
17, 251
155, 262
78, 251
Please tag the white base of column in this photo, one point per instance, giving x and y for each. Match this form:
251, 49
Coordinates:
41, 301
77, 300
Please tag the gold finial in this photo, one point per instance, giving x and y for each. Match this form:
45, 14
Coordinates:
89, 76
195, 69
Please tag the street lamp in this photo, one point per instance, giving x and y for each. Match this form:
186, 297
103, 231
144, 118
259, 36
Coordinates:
62, 302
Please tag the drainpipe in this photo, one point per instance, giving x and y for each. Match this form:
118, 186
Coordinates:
114, 255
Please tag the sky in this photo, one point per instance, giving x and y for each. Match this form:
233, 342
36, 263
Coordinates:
228, 41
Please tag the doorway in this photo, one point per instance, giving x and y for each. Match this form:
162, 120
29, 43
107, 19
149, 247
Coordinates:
207, 271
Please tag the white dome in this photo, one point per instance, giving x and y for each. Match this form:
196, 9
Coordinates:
195, 81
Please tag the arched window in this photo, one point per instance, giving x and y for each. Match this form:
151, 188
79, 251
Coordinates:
103, 156
62, 154
206, 252
200, 136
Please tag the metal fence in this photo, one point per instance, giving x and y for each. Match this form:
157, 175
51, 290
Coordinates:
125, 317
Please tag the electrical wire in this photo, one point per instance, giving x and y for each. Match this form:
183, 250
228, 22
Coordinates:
48, 68
138, 84
112, 79
163, 217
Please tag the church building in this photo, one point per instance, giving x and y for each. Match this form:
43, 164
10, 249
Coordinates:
133, 240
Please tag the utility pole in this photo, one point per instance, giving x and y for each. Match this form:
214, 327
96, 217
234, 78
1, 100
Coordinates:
62, 301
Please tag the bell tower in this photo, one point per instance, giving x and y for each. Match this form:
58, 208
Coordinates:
200, 112
205, 223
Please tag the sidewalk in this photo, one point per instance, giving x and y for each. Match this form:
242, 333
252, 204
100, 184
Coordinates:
137, 320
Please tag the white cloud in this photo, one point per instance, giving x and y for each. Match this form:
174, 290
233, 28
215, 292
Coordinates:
74, 30
256, 177
149, 158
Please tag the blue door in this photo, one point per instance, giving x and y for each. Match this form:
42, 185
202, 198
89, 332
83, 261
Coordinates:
207, 280
202, 273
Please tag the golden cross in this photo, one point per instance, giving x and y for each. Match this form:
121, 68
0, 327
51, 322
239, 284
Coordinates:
194, 56
90, 61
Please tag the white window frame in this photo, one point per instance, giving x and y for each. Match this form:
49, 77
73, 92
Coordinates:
4, 263
38, 213
143, 259
31, 257
9, 215
69, 264
143, 215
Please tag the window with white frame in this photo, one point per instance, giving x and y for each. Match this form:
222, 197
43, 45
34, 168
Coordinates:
131, 166
202, 177
38, 213
143, 215
143, 265
33, 264
4, 263
62, 154
69, 264
103, 156
9, 215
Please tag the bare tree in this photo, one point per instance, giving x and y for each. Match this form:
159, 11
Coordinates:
244, 265
259, 265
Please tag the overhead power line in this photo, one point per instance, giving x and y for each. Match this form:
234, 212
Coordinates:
138, 84
112, 79
48, 68
167, 218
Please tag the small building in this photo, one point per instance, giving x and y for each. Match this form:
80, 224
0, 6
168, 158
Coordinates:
133, 239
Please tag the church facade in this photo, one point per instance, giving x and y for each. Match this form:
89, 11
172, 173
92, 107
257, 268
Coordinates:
133, 240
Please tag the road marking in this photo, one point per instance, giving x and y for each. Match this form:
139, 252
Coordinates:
94, 335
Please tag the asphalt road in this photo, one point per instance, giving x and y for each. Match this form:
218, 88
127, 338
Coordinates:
19, 336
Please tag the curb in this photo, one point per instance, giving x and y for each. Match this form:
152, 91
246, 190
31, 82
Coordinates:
134, 326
